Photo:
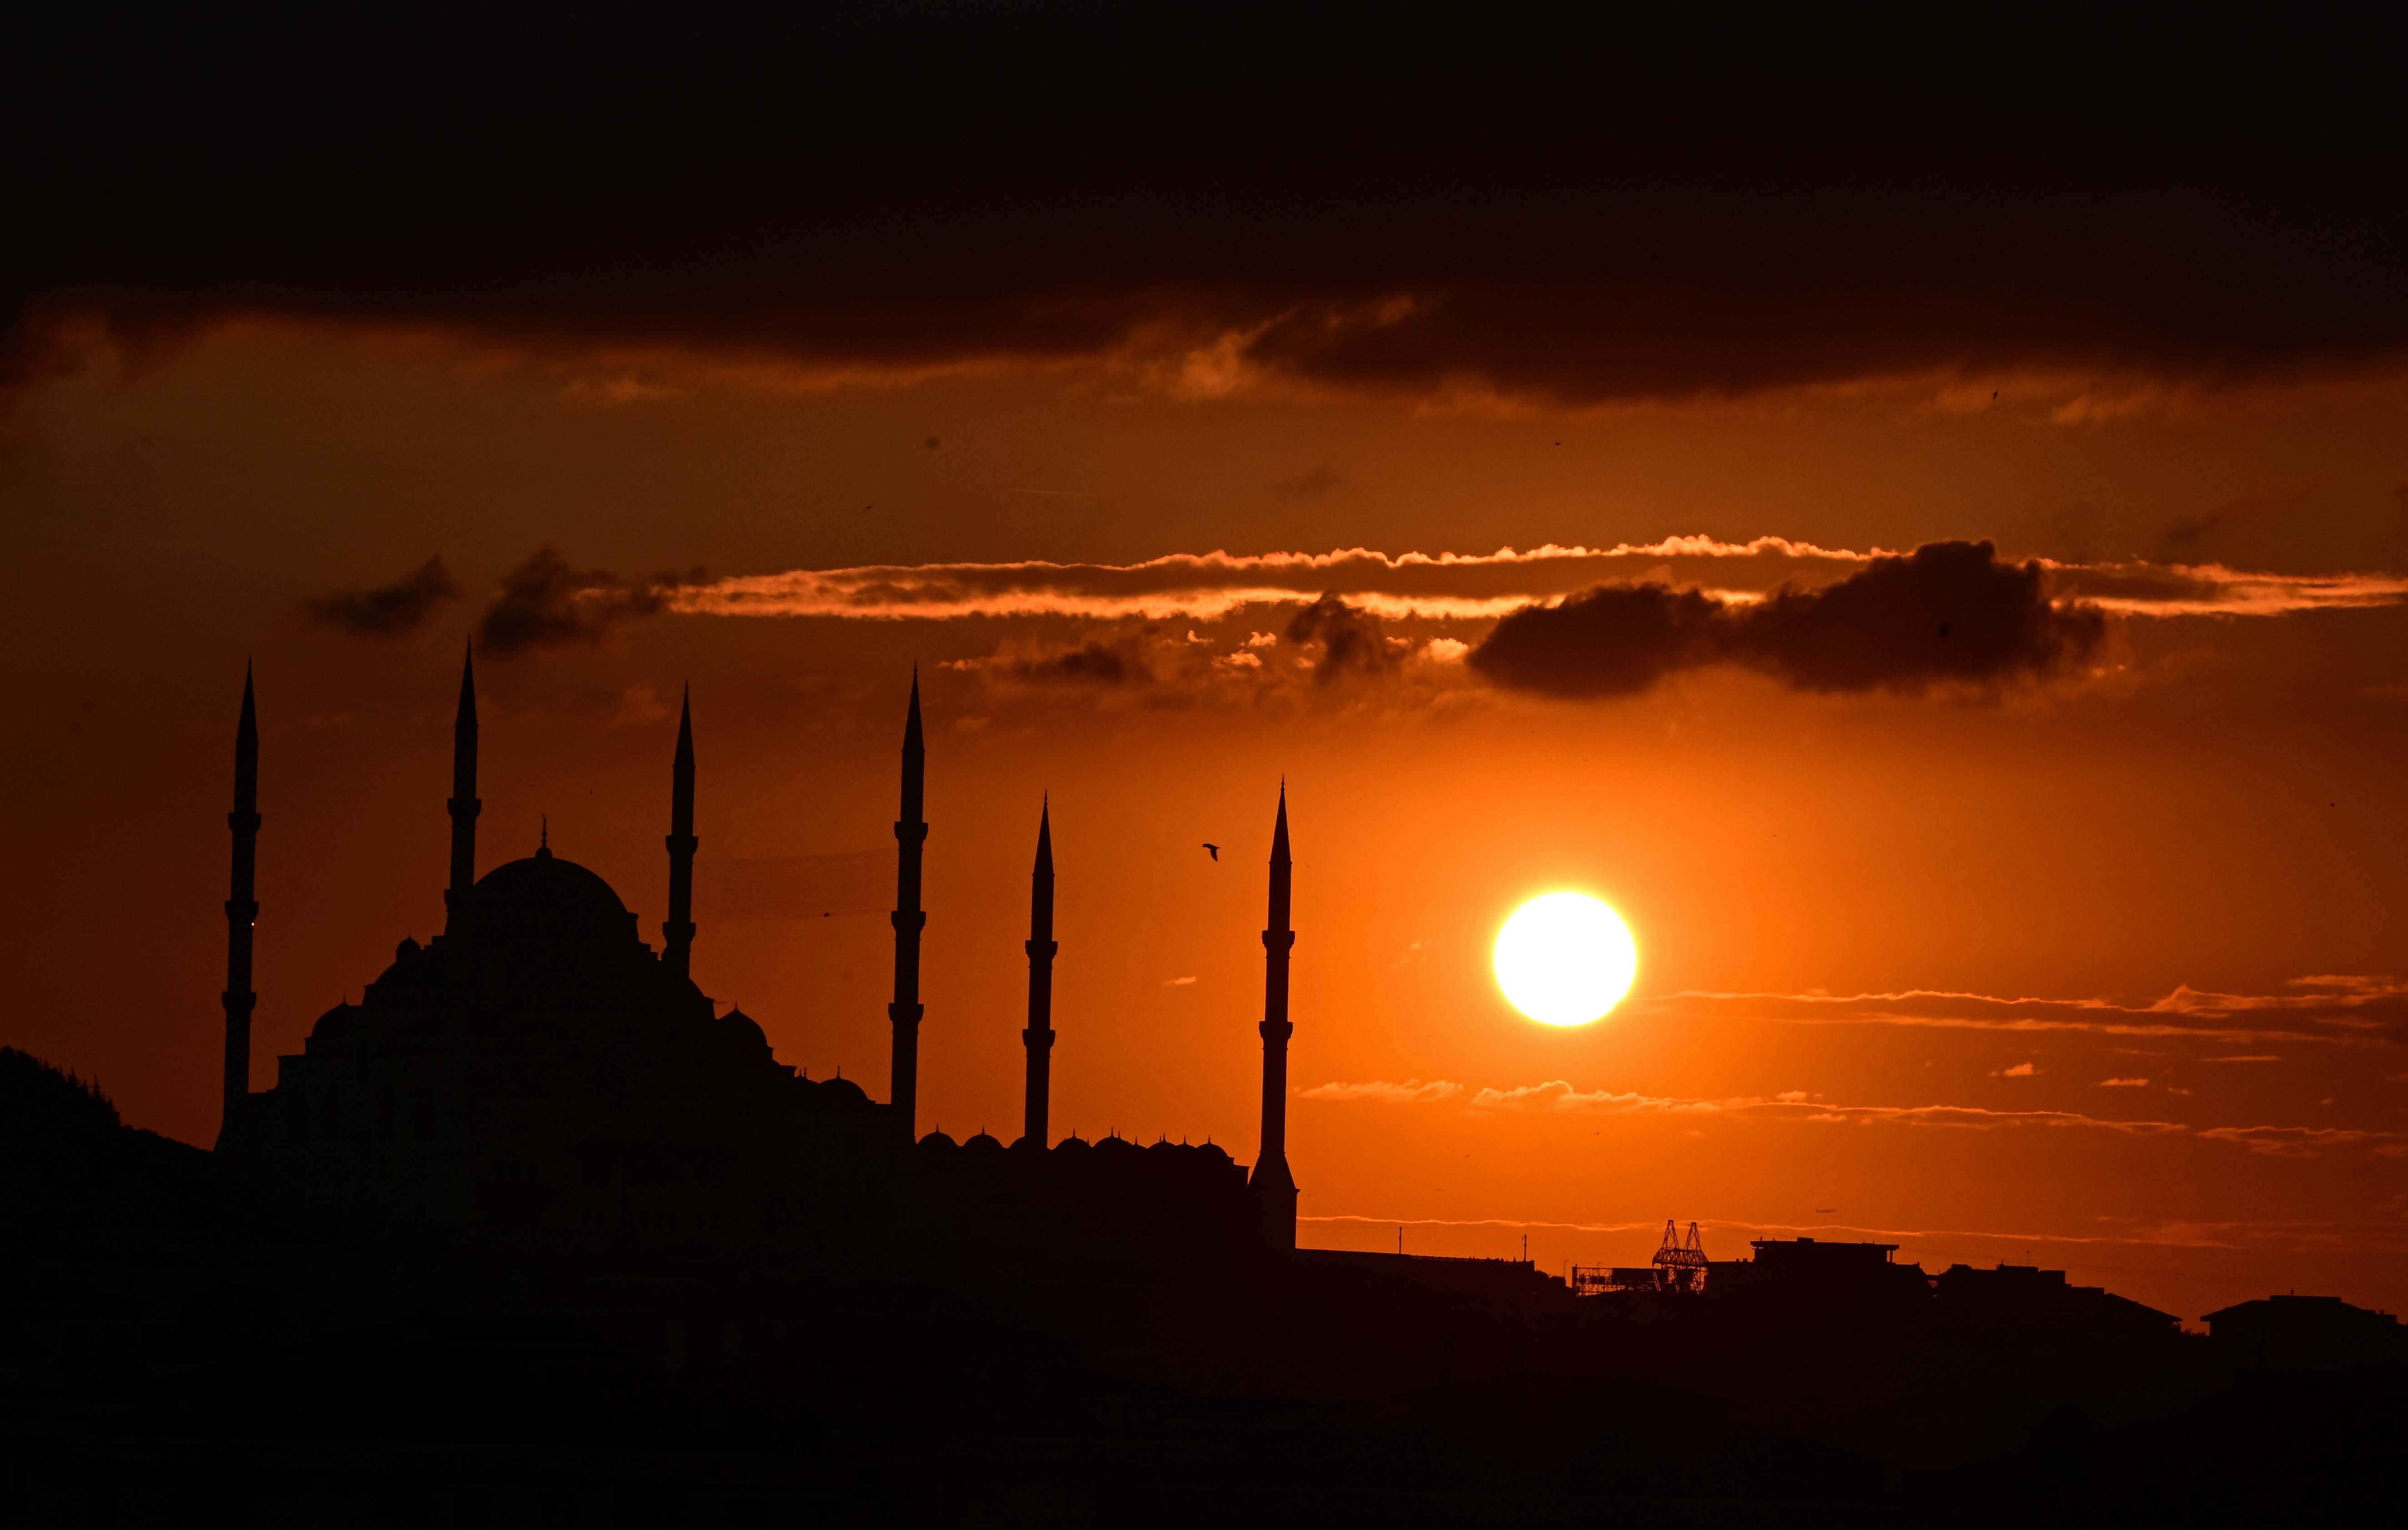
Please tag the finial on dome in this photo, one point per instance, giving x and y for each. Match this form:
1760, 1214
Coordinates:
543, 838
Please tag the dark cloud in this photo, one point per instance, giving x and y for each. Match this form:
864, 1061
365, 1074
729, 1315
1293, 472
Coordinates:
1105, 663
389, 611
1162, 663
1577, 207
544, 604
1949, 613
1612, 640
1351, 639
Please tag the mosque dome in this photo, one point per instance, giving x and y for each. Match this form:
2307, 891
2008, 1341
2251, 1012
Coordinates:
745, 1032
843, 1093
546, 898
982, 1142
937, 1142
336, 1024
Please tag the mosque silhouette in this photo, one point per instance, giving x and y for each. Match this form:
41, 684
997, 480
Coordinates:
538, 1074
533, 1209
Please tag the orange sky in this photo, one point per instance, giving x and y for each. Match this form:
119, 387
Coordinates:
2204, 806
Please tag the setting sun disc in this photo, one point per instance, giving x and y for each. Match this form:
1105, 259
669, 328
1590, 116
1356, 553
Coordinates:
1565, 958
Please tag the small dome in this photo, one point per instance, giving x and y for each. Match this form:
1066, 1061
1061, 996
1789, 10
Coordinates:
546, 898
1215, 1153
1118, 1144
843, 1093
983, 1144
937, 1142
749, 1036
1073, 1144
335, 1023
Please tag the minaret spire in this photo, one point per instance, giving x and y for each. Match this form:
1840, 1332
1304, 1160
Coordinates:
465, 804
677, 931
1272, 1186
242, 913
910, 837
1041, 947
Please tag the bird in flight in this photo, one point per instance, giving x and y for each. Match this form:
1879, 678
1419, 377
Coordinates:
1215, 849
1827, 1211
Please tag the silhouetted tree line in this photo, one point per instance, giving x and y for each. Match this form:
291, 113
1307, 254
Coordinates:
41, 1104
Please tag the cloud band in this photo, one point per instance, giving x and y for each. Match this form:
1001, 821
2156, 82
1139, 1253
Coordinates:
1459, 586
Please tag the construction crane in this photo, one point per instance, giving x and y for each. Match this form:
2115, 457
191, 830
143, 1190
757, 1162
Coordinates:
1681, 1267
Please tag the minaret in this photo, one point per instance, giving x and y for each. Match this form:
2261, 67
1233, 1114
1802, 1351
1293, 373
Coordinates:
677, 931
1041, 946
910, 835
465, 804
242, 913
1273, 1185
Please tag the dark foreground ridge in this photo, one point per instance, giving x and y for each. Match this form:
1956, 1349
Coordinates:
536, 1230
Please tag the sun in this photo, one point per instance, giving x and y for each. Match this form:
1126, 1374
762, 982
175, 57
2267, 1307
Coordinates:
1565, 958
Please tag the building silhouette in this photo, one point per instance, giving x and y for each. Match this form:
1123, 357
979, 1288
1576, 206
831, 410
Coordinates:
2023, 1297
1865, 1276
537, 1073
2295, 1332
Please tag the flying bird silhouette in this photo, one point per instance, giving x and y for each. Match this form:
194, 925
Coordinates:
1215, 849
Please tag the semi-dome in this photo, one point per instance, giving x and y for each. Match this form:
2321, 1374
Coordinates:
544, 897
745, 1032
843, 1093
336, 1024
